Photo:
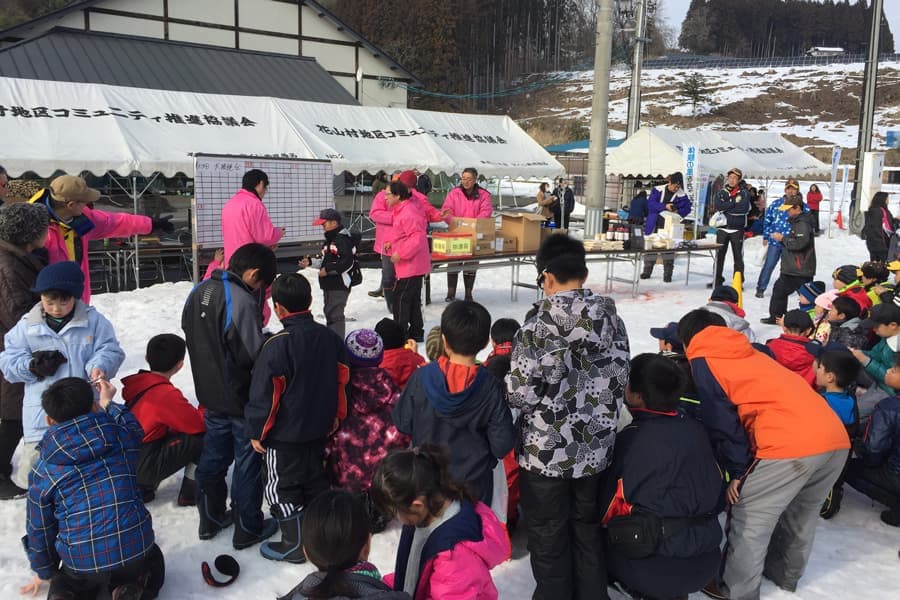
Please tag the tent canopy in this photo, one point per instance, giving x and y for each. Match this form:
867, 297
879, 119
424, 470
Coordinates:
73, 127
657, 152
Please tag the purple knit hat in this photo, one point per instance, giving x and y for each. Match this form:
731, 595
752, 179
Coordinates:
364, 348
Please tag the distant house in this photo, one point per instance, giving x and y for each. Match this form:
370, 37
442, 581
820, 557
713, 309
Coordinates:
824, 51
279, 28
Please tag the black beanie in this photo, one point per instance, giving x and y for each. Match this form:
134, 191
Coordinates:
391, 333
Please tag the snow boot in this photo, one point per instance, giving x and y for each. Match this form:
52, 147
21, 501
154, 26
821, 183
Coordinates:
832, 503
648, 269
891, 517
211, 507
244, 538
187, 495
668, 269
128, 591
9, 490
469, 282
289, 549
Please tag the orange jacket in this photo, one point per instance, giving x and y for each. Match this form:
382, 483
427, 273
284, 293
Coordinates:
756, 408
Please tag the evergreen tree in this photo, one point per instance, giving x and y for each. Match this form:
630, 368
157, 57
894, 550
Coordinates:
695, 90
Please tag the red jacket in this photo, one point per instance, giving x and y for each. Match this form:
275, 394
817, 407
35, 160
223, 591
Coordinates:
790, 351
160, 407
400, 363
813, 199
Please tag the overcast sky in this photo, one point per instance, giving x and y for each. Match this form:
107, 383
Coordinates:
675, 10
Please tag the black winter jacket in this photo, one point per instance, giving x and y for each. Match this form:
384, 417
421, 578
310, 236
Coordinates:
881, 443
337, 258
18, 272
799, 257
877, 239
221, 322
298, 384
664, 464
735, 206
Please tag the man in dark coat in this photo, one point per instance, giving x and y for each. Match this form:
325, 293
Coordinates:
733, 201
23, 228
798, 261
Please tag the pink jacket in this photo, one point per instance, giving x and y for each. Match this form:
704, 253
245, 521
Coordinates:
245, 221
461, 206
410, 240
383, 217
106, 225
464, 571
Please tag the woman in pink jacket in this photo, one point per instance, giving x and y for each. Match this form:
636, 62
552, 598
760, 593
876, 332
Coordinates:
73, 224
383, 217
246, 221
449, 542
471, 201
408, 249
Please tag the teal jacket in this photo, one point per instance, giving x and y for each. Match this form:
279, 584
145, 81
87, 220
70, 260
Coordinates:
881, 358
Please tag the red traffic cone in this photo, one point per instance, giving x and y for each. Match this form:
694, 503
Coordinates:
839, 219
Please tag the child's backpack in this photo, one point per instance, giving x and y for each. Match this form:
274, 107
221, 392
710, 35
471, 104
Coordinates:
354, 271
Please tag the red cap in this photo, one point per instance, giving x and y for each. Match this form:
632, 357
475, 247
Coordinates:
408, 178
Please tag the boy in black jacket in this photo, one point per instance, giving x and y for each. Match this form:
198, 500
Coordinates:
296, 399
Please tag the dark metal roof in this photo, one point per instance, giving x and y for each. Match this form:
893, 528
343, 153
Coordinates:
91, 57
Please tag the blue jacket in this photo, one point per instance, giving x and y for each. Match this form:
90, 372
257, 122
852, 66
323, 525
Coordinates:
88, 341
844, 405
881, 443
637, 210
776, 221
475, 424
736, 207
655, 206
84, 507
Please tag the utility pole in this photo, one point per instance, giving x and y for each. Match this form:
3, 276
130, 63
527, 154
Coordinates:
867, 113
634, 98
596, 181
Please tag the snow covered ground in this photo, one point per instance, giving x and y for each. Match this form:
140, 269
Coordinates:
854, 556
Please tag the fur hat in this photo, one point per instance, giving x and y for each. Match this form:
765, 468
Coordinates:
22, 223
63, 276
364, 348
390, 333
811, 290
434, 345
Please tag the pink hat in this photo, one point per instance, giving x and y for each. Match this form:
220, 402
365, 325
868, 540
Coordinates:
825, 299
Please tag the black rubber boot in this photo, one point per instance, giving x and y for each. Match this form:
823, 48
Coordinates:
244, 538
469, 282
211, 507
648, 269
668, 269
289, 549
187, 493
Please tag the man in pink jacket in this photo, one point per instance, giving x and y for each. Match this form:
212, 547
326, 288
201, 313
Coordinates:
383, 218
471, 201
246, 221
73, 224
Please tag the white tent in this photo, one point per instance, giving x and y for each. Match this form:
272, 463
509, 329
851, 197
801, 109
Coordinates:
49, 126
655, 152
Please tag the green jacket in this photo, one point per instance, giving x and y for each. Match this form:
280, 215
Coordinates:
881, 358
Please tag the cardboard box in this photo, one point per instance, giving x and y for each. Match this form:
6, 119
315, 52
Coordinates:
548, 231
451, 244
480, 229
483, 247
525, 228
509, 244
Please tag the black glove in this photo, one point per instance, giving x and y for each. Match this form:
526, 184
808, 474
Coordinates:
45, 363
163, 224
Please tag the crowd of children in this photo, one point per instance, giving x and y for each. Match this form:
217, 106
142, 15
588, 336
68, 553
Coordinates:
339, 436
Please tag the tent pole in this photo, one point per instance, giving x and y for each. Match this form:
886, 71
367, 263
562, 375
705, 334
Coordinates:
137, 268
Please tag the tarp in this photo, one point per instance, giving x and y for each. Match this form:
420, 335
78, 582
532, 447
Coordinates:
51, 126
657, 152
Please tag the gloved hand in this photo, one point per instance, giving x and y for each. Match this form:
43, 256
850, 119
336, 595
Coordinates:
45, 363
163, 224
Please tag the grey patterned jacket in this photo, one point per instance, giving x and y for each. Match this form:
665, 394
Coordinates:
569, 370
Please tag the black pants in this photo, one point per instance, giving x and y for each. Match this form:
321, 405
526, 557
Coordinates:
147, 572
294, 477
661, 577
10, 434
166, 456
407, 307
564, 536
878, 483
736, 241
815, 214
784, 286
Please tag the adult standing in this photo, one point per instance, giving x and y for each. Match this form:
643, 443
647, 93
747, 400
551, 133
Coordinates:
383, 217
469, 200
798, 259
246, 221
408, 249
23, 229
567, 203
669, 197
73, 224
782, 446
546, 201
423, 183
223, 334
637, 209
878, 228
775, 221
734, 202
813, 200
338, 256
569, 365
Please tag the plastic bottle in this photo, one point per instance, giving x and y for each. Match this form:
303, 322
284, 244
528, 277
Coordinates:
610, 233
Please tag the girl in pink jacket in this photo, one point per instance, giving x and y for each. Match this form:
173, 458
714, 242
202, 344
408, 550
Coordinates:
408, 249
449, 542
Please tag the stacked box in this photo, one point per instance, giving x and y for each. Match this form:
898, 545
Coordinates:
451, 245
525, 228
482, 232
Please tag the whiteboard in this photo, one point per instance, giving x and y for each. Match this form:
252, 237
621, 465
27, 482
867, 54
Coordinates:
298, 190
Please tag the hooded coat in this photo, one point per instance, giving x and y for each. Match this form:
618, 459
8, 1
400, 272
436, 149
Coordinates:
474, 423
799, 256
790, 351
160, 407
364, 586
733, 315
401, 363
655, 206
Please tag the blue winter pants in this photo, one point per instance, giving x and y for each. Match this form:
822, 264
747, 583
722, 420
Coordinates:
773, 257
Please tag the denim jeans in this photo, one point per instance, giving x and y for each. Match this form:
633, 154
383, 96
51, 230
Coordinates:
773, 257
226, 441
